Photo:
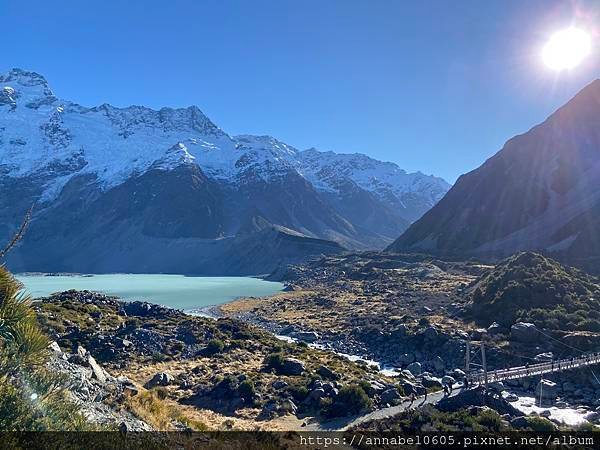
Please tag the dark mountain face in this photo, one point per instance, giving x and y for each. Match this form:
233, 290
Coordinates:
540, 192
162, 221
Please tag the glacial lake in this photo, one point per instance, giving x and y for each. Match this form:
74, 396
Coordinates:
176, 291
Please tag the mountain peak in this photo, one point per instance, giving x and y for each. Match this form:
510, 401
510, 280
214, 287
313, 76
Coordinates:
31, 86
24, 78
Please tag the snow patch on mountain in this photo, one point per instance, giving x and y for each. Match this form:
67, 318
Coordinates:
43, 136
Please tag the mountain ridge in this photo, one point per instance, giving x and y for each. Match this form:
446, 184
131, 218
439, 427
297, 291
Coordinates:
175, 171
539, 192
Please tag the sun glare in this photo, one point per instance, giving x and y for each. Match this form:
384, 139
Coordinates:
566, 49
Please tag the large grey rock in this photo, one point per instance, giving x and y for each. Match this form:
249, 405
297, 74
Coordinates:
519, 422
306, 336
55, 347
524, 332
97, 371
390, 396
315, 395
458, 374
496, 329
412, 388
478, 334
431, 382
279, 384
547, 389
407, 374
415, 368
447, 379
160, 379
327, 373
509, 396
292, 366
430, 333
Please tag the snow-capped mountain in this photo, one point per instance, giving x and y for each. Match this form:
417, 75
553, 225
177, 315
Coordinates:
540, 192
172, 173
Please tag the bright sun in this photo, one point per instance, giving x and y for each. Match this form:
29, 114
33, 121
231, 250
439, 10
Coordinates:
566, 49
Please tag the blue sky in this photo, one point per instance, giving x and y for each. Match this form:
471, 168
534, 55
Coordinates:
436, 86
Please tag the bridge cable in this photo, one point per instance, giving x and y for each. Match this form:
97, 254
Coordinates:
560, 342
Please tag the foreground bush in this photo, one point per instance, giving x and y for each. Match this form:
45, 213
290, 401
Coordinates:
31, 397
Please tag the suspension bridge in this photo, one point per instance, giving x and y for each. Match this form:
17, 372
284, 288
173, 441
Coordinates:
543, 368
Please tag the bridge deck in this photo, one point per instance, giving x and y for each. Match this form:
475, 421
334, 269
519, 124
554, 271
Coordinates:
535, 369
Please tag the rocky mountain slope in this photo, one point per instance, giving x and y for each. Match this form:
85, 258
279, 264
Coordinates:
116, 187
540, 192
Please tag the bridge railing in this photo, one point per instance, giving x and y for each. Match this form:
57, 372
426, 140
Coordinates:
534, 369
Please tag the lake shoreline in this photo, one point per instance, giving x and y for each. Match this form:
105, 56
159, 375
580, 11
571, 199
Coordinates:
183, 292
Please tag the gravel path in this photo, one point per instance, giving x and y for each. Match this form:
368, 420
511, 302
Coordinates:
345, 423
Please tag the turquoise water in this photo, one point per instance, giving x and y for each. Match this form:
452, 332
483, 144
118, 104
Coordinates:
176, 291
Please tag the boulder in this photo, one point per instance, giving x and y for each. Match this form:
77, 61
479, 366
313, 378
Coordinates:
447, 379
374, 387
412, 388
458, 374
306, 336
430, 333
292, 366
316, 395
495, 329
519, 422
390, 396
288, 406
547, 389
327, 373
160, 379
524, 332
478, 334
279, 384
55, 347
431, 382
407, 374
415, 368
496, 386
509, 396
97, 371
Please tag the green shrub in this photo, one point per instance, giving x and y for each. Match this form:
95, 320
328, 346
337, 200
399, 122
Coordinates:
246, 390
351, 399
540, 424
214, 346
299, 392
274, 361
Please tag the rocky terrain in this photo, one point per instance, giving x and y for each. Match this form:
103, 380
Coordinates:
416, 313
541, 192
398, 309
136, 366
